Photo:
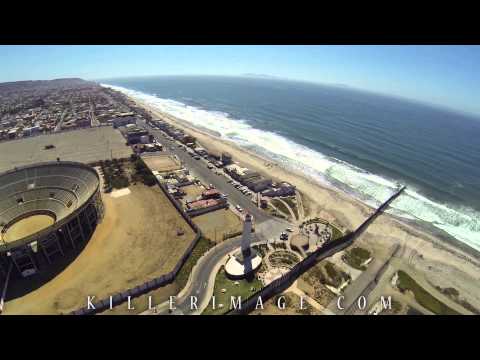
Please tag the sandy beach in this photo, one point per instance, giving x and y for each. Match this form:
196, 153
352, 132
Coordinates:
439, 261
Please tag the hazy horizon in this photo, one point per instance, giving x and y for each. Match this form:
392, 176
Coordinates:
440, 75
335, 85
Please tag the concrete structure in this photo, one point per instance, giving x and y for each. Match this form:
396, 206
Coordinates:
235, 171
44, 209
123, 120
134, 135
258, 183
244, 262
187, 139
226, 158
283, 189
211, 194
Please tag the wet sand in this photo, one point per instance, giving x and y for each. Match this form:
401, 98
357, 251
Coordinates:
347, 212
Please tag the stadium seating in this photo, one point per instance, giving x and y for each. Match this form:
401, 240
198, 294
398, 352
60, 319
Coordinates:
56, 187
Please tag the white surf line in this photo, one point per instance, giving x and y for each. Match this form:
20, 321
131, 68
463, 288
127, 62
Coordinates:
366, 187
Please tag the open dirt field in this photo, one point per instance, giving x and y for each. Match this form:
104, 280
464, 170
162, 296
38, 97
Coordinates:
86, 146
161, 163
27, 226
136, 241
217, 223
192, 192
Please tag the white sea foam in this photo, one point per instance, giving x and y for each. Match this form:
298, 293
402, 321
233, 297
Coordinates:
463, 224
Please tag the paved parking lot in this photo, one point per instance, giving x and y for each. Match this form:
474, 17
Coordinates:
207, 176
86, 145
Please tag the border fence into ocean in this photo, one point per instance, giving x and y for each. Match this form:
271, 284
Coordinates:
286, 280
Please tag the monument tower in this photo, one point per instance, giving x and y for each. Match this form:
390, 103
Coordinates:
245, 260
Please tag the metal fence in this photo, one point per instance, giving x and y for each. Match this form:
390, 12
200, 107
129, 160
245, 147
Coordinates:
286, 280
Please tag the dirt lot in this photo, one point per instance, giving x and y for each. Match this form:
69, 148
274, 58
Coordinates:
136, 241
192, 192
86, 145
217, 223
27, 226
161, 163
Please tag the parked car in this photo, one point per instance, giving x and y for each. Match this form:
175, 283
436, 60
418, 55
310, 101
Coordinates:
238, 208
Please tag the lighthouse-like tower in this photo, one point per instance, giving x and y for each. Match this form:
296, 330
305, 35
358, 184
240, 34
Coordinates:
245, 260
246, 236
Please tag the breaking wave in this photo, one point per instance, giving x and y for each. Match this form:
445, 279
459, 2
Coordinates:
372, 189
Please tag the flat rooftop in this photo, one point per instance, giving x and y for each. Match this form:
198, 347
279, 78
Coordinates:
85, 145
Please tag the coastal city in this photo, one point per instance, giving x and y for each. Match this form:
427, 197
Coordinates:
111, 206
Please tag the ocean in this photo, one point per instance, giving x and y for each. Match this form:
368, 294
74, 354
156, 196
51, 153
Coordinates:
363, 143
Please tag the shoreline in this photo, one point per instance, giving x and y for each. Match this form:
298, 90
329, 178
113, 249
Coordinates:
416, 239
274, 170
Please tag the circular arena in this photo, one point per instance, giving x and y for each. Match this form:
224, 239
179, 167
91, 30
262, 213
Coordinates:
45, 209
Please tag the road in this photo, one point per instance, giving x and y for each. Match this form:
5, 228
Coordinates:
59, 125
361, 286
207, 176
267, 228
91, 113
202, 280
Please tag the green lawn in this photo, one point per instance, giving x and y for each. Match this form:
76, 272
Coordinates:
202, 247
285, 258
114, 174
280, 206
405, 282
292, 204
336, 233
243, 289
274, 212
453, 294
396, 306
356, 257
335, 275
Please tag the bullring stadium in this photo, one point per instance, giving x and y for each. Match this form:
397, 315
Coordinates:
45, 209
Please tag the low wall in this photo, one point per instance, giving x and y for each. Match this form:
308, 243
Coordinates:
198, 212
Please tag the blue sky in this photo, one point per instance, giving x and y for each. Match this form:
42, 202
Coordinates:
443, 75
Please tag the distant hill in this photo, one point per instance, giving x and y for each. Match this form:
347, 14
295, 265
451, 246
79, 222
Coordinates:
45, 84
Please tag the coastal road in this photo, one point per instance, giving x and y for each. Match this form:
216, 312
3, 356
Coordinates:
202, 279
207, 176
